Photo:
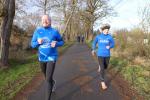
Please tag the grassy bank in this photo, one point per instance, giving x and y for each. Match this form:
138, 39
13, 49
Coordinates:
20, 73
137, 75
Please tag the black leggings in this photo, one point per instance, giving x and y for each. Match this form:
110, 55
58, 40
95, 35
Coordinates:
103, 62
48, 71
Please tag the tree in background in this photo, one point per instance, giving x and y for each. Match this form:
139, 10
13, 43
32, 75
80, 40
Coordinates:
80, 15
93, 11
72, 17
45, 5
145, 18
6, 25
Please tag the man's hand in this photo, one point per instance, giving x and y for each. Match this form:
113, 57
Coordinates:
53, 44
93, 52
40, 41
107, 47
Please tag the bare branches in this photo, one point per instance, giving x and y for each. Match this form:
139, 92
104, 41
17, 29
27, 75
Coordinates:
68, 20
45, 5
145, 18
71, 16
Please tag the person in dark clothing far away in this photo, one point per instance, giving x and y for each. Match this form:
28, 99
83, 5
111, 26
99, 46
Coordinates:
82, 38
78, 38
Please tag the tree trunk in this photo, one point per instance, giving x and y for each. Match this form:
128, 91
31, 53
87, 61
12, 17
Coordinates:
66, 24
2, 14
6, 25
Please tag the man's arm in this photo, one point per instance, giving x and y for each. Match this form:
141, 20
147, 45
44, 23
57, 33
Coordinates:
59, 40
34, 42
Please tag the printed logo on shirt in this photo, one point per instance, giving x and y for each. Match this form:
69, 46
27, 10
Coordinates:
46, 42
103, 41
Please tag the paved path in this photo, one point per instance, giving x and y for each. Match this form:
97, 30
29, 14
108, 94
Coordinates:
77, 78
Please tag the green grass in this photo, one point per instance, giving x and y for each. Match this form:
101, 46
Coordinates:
133, 74
19, 74
14, 78
138, 76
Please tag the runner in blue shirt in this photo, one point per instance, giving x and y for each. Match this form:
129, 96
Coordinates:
47, 39
105, 42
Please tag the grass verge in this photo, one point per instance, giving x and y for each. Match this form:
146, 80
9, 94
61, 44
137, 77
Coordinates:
20, 73
137, 76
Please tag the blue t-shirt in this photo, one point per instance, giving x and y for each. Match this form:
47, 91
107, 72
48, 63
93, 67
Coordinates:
103, 40
45, 51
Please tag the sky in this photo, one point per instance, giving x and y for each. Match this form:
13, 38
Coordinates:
127, 13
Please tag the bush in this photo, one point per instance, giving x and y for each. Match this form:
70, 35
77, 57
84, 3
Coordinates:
131, 44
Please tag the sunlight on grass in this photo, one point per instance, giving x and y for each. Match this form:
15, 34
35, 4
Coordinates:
19, 74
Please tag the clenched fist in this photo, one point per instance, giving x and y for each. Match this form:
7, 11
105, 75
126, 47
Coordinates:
40, 41
53, 44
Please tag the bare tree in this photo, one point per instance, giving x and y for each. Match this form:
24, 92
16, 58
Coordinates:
66, 13
20, 11
45, 5
6, 25
94, 10
145, 18
80, 15
69, 17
